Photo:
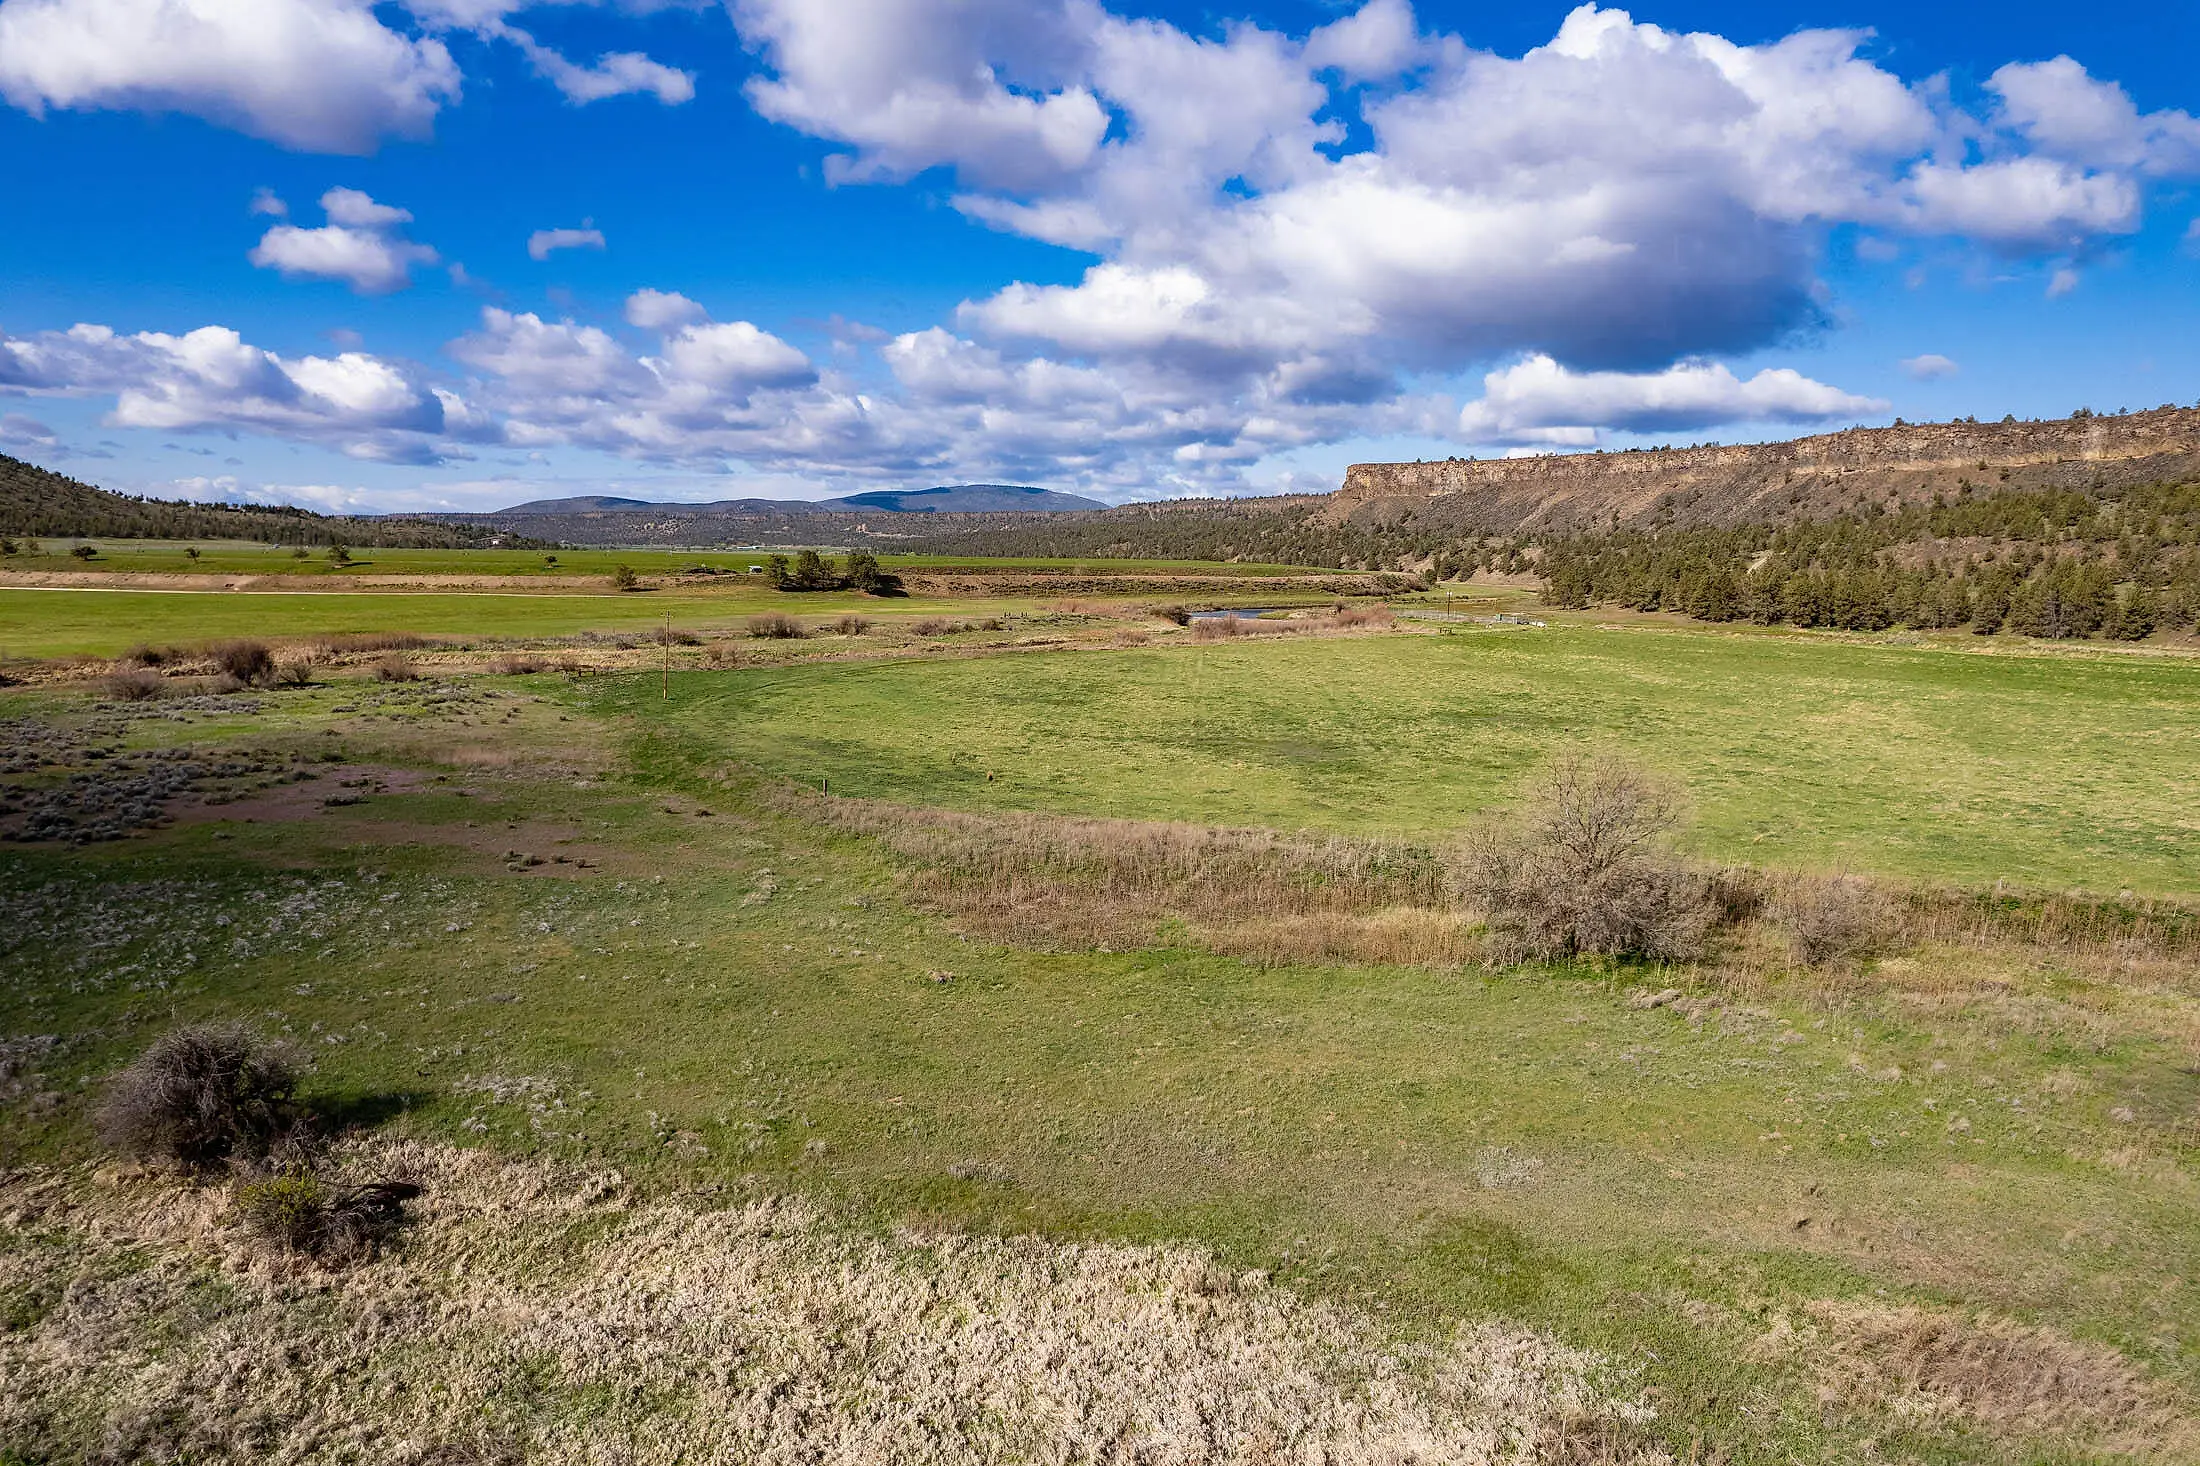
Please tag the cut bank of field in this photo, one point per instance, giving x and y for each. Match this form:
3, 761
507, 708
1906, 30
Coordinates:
2048, 770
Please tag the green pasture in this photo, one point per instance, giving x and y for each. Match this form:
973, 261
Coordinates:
726, 997
730, 998
58, 623
245, 557
2050, 770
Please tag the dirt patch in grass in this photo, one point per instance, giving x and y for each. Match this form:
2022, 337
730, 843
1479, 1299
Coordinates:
536, 1313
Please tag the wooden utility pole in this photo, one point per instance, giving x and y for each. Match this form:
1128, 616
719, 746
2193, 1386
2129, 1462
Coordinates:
668, 656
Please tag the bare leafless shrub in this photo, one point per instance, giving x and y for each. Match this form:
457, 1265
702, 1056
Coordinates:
394, 668
1349, 617
1824, 917
202, 1094
675, 636
1218, 628
1585, 869
937, 626
297, 672
295, 1210
224, 684
145, 655
250, 662
851, 625
135, 684
517, 666
775, 626
990, 623
1176, 615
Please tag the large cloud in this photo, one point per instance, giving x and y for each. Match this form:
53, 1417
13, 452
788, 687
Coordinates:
1623, 197
1539, 401
318, 75
212, 379
329, 76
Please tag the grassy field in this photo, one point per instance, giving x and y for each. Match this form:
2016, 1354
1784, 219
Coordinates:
103, 623
244, 557
1741, 1198
2050, 770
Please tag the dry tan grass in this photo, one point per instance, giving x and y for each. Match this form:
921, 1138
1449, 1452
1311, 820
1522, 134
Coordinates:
546, 1315
1063, 881
1934, 1364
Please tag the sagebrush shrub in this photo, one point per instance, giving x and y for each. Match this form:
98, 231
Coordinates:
852, 625
136, 684
396, 669
203, 1094
296, 1211
775, 624
1585, 869
250, 662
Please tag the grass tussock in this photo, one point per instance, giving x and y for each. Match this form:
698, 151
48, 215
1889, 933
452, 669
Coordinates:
535, 1313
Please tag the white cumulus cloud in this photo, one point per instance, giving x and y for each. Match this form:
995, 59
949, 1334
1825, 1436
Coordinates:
545, 242
361, 245
1540, 401
316, 75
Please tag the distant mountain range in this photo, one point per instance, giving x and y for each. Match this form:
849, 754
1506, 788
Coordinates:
949, 499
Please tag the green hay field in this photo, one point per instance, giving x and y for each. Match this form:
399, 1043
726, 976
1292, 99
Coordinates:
244, 557
2052, 771
104, 623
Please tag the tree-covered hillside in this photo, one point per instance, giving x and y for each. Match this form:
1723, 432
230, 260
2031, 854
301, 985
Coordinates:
39, 502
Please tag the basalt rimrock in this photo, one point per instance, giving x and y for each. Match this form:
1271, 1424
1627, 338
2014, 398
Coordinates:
1805, 478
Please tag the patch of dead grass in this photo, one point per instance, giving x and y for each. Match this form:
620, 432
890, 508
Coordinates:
543, 1312
2012, 1378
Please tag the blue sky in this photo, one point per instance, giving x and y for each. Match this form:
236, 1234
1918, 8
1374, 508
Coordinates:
461, 253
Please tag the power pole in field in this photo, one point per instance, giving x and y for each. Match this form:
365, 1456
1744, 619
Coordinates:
668, 656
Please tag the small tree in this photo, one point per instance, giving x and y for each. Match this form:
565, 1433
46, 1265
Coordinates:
85, 552
775, 571
811, 572
624, 578
191, 553
339, 555
8, 546
1586, 869
551, 561
300, 553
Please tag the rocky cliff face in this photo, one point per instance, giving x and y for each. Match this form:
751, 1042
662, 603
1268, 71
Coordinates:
1803, 478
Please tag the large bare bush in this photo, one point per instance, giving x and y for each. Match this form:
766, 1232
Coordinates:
249, 662
203, 1094
1585, 868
